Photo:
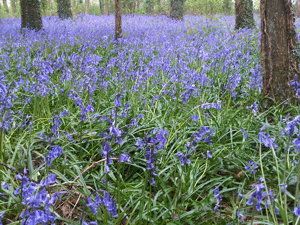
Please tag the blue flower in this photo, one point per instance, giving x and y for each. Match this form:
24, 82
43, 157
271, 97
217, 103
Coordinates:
297, 211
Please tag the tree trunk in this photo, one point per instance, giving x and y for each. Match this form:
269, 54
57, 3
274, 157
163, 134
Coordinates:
101, 7
244, 14
64, 9
177, 9
278, 42
50, 5
13, 6
297, 6
118, 19
149, 7
31, 14
5, 6
87, 6
105, 7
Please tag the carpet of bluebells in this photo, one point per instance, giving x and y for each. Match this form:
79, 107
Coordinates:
164, 126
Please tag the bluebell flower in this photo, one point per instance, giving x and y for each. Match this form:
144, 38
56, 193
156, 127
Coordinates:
125, 158
2, 216
218, 197
184, 158
297, 211
245, 134
254, 107
253, 165
55, 152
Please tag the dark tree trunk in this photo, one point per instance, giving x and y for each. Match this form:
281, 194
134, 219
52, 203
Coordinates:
244, 14
31, 14
118, 19
177, 9
5, 6
64, 9
87, 6
278, 42
101, 7
149, 7
297, 10
13, 6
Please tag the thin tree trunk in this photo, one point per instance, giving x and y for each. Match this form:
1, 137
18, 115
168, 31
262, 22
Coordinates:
149, 7
5, 6
13, 6
87, 6
177, 9
64, 9
278, 42
118, 19
101, 7
297, 6
244, 14
105, 7
31, 14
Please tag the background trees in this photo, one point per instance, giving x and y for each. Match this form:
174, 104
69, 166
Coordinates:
177, 9
244, 14
64, 9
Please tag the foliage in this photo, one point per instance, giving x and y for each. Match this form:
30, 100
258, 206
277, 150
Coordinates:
164, 126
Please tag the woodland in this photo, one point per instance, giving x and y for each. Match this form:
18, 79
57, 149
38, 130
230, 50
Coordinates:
149, 112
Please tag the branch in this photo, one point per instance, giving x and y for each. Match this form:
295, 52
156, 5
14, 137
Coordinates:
92, 166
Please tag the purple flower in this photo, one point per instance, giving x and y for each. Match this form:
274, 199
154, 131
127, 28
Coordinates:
2, 216
55, 152
297, 211
184, 158
125, 158
254, 107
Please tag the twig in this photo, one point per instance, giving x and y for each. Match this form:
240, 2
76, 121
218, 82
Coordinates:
15, 171
92, 166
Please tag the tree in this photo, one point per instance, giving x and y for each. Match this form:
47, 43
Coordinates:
31, 14
278, 43
177, 9
149, 6
297, 6
87, 6
13, 6
118, 19
5, 6
64, 9
244, 14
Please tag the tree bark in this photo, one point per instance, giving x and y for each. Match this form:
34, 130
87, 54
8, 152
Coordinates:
31, 15
278, 42
5, 6
64, 9
118, 19
87, 6
177, 9
13, 6
297, 6
244, 14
